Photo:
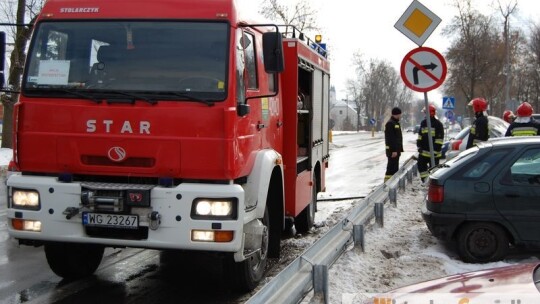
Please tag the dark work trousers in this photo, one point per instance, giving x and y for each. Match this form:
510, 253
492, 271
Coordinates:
424, 163
391, 167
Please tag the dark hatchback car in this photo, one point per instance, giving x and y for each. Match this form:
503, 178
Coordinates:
487, 199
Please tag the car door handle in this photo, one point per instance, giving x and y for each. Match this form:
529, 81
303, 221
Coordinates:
512, 195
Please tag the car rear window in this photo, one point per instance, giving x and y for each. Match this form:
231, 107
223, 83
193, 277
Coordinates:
483, 165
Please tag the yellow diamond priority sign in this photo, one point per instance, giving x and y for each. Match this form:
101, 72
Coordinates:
417, 23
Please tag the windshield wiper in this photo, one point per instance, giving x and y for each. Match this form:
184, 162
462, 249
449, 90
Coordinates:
188, 97
80, 94
134, 96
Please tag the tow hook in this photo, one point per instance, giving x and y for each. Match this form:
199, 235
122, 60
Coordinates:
155, 220
70, 212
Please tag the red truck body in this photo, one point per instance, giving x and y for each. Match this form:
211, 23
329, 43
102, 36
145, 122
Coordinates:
183, 110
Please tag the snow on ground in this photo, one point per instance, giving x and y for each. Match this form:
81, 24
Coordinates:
398, 254
5, 156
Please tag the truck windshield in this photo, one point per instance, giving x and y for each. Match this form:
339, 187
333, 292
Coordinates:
142, 57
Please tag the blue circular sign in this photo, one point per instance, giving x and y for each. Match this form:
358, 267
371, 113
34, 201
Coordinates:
372, 121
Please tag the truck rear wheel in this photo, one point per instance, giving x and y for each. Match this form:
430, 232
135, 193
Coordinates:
305, 220
73, 261
246, 275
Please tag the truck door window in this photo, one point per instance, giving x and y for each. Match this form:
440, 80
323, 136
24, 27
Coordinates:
240, 70
247, 42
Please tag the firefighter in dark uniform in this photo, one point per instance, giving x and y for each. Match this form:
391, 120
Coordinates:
437, 137
479, 128
524, 124
394, 143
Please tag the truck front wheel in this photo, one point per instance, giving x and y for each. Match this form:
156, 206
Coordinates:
73, 261
246, 275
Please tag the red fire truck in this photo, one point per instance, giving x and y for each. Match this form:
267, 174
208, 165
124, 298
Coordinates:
167, 124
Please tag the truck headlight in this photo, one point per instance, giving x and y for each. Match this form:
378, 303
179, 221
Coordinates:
222, 208
25, 199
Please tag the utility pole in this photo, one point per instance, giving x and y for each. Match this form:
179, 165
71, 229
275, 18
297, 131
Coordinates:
506, 12
508, 66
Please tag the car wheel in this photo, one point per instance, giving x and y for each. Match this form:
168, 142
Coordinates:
73, 261
482, 243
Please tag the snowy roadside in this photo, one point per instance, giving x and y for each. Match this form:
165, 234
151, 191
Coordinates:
402, 252
6, 155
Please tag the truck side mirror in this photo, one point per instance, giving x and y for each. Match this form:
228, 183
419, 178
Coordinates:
273, 52
242, 110
2, 57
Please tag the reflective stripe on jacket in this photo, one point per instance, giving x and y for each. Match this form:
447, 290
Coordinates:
437, 136
530, 128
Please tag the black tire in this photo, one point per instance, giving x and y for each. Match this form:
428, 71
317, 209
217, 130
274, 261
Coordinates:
482, 243
246, 275
73, 261
305, 220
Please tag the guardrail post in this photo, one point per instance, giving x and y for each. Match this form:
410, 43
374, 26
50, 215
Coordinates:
379, 214
320, 284
415, 169
410, 175
401, 183
392, 195
358, 236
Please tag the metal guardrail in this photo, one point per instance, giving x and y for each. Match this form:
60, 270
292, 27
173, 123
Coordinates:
310, 270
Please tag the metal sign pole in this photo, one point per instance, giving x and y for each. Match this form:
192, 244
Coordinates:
430, 137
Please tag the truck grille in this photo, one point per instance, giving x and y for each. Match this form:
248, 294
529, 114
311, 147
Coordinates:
141, 162
113, 197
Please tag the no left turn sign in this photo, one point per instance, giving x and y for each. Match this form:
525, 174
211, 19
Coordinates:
423, 69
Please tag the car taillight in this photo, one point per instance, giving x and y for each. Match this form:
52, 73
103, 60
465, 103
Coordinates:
456, 143
435, 193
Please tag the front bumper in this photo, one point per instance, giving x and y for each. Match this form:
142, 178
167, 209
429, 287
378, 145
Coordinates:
173, 205
442, 225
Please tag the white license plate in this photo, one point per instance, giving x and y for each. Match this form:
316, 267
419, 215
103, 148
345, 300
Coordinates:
110, 220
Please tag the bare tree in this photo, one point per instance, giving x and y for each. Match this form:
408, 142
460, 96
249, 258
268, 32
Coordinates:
376, 88
298, 13
527, 73
26, 11
352, 86
506, 12
475, 57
